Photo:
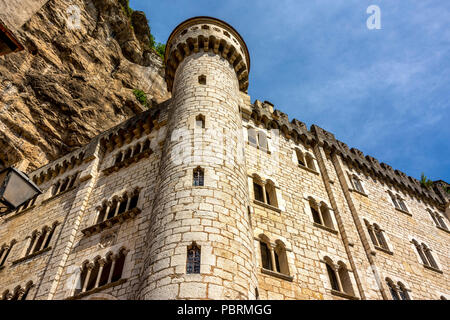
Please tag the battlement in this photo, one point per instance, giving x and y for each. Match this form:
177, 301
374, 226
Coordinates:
207, 34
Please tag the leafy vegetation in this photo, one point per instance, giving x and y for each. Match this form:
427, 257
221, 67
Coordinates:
141, 97
427, 183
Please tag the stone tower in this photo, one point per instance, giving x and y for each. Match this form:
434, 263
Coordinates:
207, 67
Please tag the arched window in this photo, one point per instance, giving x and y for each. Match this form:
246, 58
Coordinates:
433, 216
381, 241
102, 213
128, 154
118, 158
371, 232
104, 277
443, 298
281, 261
357, 185
262, 141
134, 200
258, 191
271, 195
199, 177
420, 252
101, 271
5, 251
326, 216
315, 211
56, 188
93, 274
64, 185
300, 157
123, 204
200, 122
333, 277
403, 291
441, 221
137, 149
310, 162
146, 145
73, 179
119, 265
266, 256
345, 279
402, 204
394, 201
193, 259
40, 240
112, 209
429, 256
252, 136
438, 220
27, 290
393, 290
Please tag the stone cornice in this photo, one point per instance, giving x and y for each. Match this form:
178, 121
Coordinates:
207, 34
298, 132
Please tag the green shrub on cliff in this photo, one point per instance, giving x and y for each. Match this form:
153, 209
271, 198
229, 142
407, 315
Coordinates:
141, 97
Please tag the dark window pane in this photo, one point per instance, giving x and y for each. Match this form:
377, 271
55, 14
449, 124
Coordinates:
333, 278
193, 260
258, 190
265, 256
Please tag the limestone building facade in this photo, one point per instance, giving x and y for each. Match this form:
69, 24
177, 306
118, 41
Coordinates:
210, 196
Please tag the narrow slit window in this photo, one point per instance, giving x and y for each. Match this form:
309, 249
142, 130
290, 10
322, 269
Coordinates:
199, 177
193, 259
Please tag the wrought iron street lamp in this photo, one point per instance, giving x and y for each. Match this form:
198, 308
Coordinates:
15, 189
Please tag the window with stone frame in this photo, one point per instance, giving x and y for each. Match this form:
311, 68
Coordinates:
258, 138
425, 255
5, 250
394, 200
193, 260
19, 293
376, 235
252, 140
200, 122
40, 239
202, 79
398, 202
300, 157
266, 258
101, 271
398, 290
265, 192
438, 219
258, 191
321, 214
402, 204
64, 184
357, 185
339, 277
27, 204
198, 177
273, 257
118, 206
310, 162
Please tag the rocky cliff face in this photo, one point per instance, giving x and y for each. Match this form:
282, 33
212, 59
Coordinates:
75, 78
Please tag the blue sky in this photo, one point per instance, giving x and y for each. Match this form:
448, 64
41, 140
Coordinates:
385, 92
